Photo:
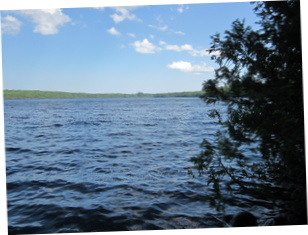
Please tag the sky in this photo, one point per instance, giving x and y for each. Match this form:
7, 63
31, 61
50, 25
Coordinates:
122, 49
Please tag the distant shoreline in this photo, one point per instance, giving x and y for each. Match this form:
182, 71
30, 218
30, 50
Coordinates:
37, 94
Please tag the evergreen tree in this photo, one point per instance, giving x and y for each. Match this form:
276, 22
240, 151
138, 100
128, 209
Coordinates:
260, 80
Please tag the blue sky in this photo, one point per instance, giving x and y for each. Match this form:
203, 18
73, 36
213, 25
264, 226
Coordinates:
152, 49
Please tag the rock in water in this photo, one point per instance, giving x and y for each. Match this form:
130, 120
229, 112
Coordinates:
244, 219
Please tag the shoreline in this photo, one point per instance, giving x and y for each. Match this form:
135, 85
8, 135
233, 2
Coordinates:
37, 94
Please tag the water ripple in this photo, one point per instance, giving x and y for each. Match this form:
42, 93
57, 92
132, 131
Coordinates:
95, 165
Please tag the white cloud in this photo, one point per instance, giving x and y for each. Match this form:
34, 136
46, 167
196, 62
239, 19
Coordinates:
173, 48
190, 50
113, 31
122, 14
162, 28
182, 8
185, 47
131, 35
179, 32
146, 47
10, 25
99, 8
47, 20
159, 19
159, 28
203, 53
185, 66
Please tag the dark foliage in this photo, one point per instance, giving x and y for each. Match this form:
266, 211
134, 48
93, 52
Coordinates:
261, 72
35, 94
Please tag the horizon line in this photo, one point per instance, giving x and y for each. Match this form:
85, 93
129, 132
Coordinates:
139, 92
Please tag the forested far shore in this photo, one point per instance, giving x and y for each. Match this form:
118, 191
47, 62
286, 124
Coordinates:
36, 94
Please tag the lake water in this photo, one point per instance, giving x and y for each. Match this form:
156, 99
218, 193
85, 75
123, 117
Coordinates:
86, 165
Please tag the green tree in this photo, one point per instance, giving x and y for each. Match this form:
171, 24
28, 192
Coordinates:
261, 75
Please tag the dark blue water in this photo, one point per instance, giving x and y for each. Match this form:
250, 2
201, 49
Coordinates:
86, 165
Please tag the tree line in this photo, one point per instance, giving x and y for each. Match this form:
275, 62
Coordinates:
36, 94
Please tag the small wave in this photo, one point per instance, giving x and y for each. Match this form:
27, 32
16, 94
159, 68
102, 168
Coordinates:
21, 185
69, 151
86, 123
105, 121
40, 136
150, 124
120, 134
111, 156
44, 218
17, 150
21, 117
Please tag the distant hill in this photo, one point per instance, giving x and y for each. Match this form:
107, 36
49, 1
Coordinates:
36, 94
